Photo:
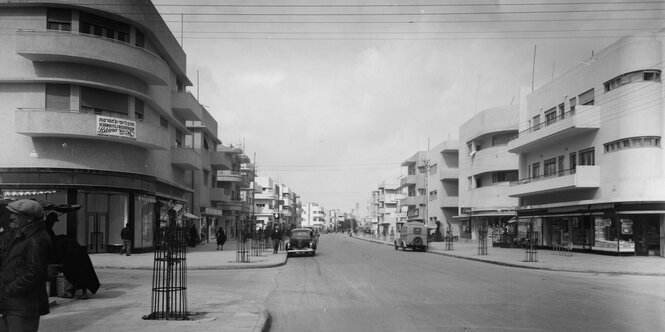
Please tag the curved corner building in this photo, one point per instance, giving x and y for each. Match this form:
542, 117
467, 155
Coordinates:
486, 169
95, 113
591, 161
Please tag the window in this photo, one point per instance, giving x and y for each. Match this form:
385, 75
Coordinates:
163, 122
57, 96
59, 19
562, 110
572, 161
536, 169
179, 86
536, 122
550, 167
100, 26
104, 102
178, 138
633, 142
550, 116
573, 103
561, 166
587, 157
506, 176
479, 182
587, 98
206, 176
652, 75
501, 139
138, 108
205, 142
140, 39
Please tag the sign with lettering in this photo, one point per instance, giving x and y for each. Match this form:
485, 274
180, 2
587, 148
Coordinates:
117, 127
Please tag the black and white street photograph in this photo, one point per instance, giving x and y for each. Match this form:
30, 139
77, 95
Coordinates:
341, 165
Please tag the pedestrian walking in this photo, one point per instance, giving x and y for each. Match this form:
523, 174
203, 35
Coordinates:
126, 235
23, 274
276, 236
221, 238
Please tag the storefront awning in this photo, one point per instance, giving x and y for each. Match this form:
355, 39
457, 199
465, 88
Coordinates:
190, 216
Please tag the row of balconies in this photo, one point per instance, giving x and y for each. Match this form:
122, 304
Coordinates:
78, 124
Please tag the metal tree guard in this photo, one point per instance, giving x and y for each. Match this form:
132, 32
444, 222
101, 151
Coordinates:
242, 248
531, 253
482, 240
169, 274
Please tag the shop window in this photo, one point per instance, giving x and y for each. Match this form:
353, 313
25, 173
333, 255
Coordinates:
59, 19
57, 96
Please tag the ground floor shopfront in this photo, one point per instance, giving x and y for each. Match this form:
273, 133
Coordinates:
617, 228
108, 201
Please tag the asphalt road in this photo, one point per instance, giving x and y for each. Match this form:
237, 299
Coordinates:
353, 285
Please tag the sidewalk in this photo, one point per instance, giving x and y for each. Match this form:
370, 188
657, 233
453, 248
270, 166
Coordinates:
124, 302
548, 260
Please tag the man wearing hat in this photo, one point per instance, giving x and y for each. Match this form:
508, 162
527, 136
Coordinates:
23, 273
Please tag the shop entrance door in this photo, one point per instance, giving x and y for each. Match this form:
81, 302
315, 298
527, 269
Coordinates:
96, 232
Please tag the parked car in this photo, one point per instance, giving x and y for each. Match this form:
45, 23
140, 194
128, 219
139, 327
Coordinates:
412, 235
302, 241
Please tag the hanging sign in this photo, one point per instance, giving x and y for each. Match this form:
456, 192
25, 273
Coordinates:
108, 126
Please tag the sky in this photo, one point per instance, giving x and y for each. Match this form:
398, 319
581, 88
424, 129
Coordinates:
330, 97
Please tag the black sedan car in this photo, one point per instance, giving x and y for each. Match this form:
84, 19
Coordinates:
302, 241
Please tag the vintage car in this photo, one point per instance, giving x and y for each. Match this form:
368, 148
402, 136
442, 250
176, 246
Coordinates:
302, 241
412, 235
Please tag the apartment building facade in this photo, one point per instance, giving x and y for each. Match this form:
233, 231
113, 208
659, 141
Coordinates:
97, 114
414, 187
443, 187
485, 171
313, 215
591, 163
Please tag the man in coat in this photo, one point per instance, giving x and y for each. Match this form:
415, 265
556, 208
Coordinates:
276, 237
23, 273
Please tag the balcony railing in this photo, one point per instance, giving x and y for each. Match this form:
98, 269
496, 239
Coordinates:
229, 176
583, 176
552, 131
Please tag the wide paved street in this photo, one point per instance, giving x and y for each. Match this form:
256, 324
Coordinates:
353, 285
357, 285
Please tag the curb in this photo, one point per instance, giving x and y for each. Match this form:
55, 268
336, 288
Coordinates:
196, 268
513, 265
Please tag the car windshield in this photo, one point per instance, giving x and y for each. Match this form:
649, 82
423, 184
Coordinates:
300, 235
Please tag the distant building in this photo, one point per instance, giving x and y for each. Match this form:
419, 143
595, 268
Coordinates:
414, 188
443, 186
313, 215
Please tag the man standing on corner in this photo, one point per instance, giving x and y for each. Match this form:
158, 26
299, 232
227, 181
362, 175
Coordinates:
276, 236
126, 236
23, 273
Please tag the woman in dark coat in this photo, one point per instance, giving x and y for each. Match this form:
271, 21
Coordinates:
77, 266
221, 238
